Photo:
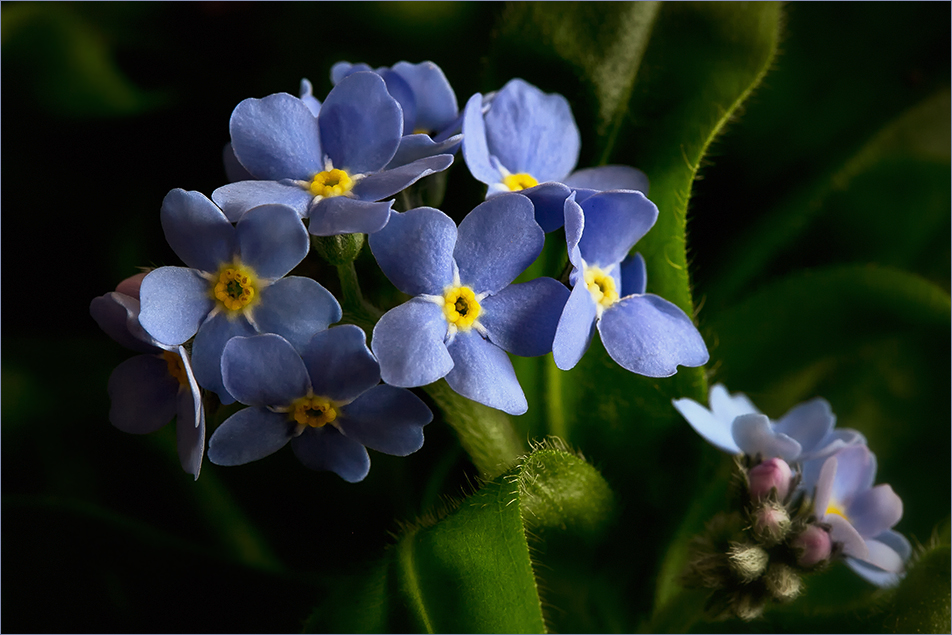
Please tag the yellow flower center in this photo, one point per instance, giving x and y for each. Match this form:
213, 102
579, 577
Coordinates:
602, 286
521, 181
331, 183
461, 307
176, 367
833, 508
235, 288
313, 411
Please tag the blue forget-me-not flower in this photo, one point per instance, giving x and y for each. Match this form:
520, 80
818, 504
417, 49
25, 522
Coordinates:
735, 425
234, 283
465, 314
640, 331
431, 120
327, 401
860, 515
147, 390
331, 168
520, 139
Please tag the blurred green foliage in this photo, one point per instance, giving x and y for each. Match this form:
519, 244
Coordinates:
805, 220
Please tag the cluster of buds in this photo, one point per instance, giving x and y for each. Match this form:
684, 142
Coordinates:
759, 552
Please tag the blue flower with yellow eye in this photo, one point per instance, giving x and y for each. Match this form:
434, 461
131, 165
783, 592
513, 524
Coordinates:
465, 315
642, 332
331, 168
327, 401
149, 389
860, 516
235, 282
520, 139
431, 121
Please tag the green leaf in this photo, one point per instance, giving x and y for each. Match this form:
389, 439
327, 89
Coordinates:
886, 203
471, 570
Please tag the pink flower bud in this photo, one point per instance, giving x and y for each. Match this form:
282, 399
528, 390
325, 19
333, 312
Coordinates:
770, 474
770, 522
814, 545
130, 286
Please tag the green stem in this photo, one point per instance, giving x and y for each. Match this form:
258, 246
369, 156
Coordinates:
356, 309
485, 433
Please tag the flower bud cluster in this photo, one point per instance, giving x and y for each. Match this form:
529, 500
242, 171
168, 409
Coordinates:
760, 552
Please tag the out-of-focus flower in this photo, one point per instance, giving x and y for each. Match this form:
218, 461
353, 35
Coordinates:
642, 332
331, 168
733, 424
326, 401
520, 139
861, 516
234, 283
147, 390
465, 314
431, 120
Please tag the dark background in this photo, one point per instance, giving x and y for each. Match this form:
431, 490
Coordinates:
109, 106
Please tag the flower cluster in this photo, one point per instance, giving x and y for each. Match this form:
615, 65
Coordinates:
236, 322
807, 499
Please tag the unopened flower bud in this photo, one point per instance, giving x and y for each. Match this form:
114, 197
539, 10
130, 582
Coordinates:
783, 582
748, 561
767, 476
339, 249
814, 545
748, 607
770, 522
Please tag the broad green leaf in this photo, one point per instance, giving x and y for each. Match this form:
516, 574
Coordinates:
886, 204
472, 569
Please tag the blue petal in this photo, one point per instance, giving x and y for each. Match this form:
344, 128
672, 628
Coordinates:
634, 276
530, 131
482, 372
234, 170
306, 92
614, 222
271, 240
340, 70
576, 326
387, 183
197, 230
650, 336
190, 432
277, 138
386, 419
339, 363
574, 226
327, 449
475, 147
344, 215
436, 105
844, 533
295, 308
873, 574
408, 344
415, 250
726, 407
118, 315
609, 177
522, 318
143, 394
754, 434
360, 123
400, 90
207, 349
855, 472
419, 146
497, 241
263, 370
809, 423
237, 198
549, 202
875, 510
249, 435
715, 431
174, 303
